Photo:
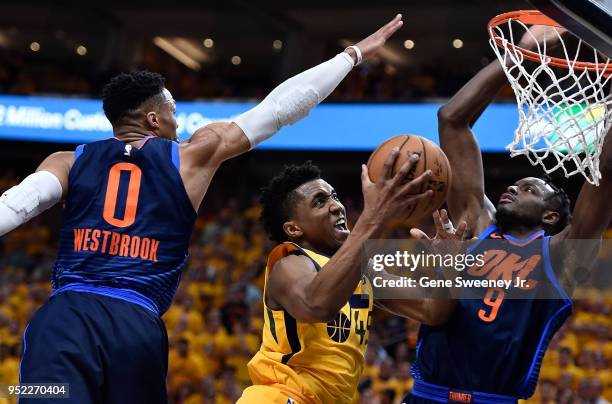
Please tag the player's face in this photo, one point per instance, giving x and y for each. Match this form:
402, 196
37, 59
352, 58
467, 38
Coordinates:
524, 203
167, 116
320, 216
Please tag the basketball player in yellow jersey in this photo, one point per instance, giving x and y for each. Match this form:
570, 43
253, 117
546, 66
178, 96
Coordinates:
317, 305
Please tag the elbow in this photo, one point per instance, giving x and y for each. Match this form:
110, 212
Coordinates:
446, 114
449, 115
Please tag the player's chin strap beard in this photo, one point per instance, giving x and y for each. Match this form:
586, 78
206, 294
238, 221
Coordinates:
508, 221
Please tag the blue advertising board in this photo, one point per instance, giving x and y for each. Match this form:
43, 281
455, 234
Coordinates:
328, 127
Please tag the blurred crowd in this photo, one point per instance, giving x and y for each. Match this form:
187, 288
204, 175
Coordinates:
215, 322
28, 74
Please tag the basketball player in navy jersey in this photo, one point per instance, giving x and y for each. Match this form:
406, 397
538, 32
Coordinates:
131, 202
490, 350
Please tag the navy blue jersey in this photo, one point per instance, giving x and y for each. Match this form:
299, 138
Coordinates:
491, 344
127, 222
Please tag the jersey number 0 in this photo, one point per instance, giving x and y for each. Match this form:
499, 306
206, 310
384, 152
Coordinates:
112, 193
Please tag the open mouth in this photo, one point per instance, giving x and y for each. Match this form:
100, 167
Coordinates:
340, 225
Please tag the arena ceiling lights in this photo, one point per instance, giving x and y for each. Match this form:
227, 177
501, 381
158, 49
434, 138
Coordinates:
186, 51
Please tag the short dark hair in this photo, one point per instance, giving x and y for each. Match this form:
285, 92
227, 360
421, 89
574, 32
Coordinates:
127, 91
278, 197
559, 202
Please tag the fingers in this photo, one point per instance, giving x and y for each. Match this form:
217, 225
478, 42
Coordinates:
406, 168
365, 176
446, 223
461, 230
438, 221
387, 171
412, 199
392, 26
418, 234
416, 184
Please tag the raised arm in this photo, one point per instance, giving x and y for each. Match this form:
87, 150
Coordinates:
36, 193
466, 199
291, 101
591, 216
311, 296
593, 211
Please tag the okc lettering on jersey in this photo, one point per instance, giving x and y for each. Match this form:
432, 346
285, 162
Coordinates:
500, 264
109, 242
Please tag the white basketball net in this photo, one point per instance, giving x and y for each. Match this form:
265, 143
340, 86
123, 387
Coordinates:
564, 113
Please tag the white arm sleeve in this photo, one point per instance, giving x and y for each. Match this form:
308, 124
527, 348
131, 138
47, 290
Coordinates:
36, 193
293, 99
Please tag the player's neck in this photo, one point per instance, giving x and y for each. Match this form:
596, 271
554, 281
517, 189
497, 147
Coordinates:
319, 250
521, 232
131, 135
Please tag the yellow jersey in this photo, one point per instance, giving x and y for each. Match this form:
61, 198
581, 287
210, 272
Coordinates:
317, 362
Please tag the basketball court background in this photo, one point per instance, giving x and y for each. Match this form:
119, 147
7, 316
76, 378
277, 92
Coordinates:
220, 52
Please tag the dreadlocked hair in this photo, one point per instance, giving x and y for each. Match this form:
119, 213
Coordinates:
559, 202
278, 197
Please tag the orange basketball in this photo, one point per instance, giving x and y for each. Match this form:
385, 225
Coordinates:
431, 157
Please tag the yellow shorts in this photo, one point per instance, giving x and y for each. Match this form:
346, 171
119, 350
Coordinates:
277, 394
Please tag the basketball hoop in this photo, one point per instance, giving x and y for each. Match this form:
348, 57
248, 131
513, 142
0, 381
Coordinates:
564, 105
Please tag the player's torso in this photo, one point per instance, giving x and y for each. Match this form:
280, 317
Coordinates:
495, 339
323, 361
127, 219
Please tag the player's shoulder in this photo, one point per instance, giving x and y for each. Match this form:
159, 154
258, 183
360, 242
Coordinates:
210, 134
60, 159
293, 262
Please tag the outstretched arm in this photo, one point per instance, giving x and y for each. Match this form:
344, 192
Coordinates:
211, 145
466, 199
36, 193
291, 101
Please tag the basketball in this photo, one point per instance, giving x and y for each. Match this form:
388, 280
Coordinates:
432, 158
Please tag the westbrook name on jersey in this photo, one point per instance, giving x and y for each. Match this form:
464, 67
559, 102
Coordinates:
128, 221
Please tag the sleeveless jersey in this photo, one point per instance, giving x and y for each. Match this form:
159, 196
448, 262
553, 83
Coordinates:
495, 345
127, 222
321, 362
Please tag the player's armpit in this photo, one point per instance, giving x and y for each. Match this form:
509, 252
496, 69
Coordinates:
287, 289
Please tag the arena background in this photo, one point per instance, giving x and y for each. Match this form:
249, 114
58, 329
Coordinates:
68, 50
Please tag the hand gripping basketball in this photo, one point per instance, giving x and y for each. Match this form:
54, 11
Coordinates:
393, 195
